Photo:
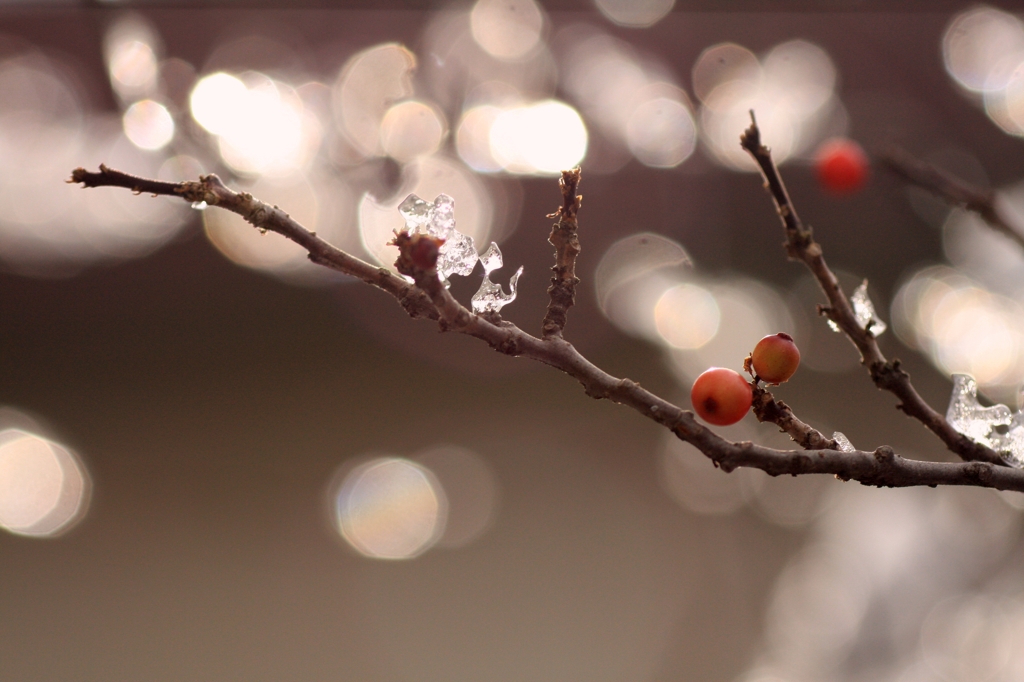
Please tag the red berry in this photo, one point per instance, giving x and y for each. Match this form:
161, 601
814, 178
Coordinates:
775, 358
841, 165
721, 396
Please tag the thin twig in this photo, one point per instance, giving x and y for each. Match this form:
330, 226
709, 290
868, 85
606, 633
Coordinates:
562, 291
767, 409
429, 298
888, 376
211, 190
950, 188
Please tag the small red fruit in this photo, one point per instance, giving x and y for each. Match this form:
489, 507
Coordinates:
841, 165
721, 396
775, 358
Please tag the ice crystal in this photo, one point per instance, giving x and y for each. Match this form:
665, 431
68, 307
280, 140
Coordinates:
490, 297
864, 311
199, 205
982, 424
843, 442
457, 255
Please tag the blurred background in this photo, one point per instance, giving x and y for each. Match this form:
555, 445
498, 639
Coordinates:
219, 462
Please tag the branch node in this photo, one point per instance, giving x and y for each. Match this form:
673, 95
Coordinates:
884, 454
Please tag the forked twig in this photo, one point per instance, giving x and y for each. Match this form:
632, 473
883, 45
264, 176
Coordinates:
888, 376
428, 298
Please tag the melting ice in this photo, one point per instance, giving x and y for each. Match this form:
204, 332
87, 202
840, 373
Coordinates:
490, 297
843, 442
457, 256
981, 424
864, 311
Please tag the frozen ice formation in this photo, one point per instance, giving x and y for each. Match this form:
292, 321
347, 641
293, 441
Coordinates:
843, 442
490, 297
864, 311
995, 427
458, 256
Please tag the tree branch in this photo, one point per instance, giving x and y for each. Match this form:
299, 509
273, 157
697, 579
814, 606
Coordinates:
951, 188
429, 298
888, 376
211, 190
767, 409
562, 291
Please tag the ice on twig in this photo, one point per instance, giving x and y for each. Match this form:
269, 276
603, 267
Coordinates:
457, 255
981, 424
843, 442
966, 414
490, 297
199, 205
864, 311
1012, 445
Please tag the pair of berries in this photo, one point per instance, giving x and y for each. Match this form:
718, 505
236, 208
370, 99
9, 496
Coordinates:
722, 396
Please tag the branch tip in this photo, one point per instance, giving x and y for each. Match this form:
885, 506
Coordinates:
564, 237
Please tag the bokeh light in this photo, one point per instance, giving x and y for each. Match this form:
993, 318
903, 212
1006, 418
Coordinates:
635, 13
390, 508
411, 129
44, 488
460, 73
633, 275
368, 85
979, 47
984, 254
473, 138
983, 50
967, 637
817, 609
471, 489
963, 328
131, 48
630, 99
217, 101
261, 124
644, 291
724, 63
661, 132
541, 138
847, 588
148, 125
791, 90
44, 132
686, 316
749, 310
506, 29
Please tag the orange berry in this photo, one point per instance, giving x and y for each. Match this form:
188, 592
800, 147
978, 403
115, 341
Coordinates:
775, 358
721, 396
841, 165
